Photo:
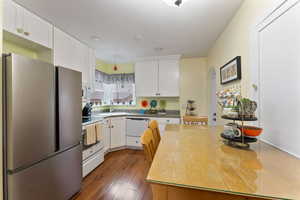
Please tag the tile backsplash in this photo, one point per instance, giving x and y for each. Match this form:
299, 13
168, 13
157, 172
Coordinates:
172, 103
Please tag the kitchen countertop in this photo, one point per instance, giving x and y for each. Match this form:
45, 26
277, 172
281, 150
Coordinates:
99, 117
195, 157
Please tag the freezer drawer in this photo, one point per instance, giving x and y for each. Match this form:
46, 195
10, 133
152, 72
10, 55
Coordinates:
57, 178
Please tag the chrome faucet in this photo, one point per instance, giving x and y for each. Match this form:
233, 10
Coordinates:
111, 109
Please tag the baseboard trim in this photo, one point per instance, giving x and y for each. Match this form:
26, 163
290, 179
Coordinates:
279, 148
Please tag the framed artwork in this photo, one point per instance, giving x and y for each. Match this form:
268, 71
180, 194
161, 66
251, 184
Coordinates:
231, 71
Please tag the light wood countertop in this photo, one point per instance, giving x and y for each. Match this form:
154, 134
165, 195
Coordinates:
195, 157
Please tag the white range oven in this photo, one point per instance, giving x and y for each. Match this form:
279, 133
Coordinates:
92, 155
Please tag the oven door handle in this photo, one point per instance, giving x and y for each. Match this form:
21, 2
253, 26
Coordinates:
138, 119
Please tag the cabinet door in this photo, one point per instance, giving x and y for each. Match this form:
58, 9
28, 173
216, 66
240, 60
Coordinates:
12, 18
118, 136
85, 65
146, 78
92, 68
77, 50
37, 29
62, 49
169, 78
106, 132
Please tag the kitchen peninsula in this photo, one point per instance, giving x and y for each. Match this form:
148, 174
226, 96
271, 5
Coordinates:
193, 161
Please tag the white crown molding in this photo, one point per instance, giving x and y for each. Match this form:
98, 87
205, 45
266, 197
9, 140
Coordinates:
169, 57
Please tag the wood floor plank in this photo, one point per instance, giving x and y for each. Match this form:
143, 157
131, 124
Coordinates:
120, 177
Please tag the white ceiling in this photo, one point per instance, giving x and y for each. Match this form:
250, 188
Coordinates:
134, 28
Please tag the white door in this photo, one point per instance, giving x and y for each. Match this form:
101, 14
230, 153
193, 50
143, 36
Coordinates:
168, 83
146, 78
279, 83
118, 129
213, 99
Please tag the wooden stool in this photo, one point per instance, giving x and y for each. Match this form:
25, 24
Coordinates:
148, 144
195, 120
153, 125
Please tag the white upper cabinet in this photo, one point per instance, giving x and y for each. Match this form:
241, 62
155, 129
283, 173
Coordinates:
21, 22
37, 29
158, 77
168, 78
146, 81
92, 68
11, 12
70, 53
63, 49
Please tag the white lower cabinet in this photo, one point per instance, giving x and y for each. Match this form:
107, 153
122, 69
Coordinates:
133, 141
106, 135
117, 132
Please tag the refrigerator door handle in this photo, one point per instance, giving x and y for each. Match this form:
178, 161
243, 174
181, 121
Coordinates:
57, 124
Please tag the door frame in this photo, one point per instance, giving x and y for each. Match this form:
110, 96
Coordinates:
213, 97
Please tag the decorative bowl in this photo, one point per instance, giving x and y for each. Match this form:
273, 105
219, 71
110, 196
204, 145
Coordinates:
252, 131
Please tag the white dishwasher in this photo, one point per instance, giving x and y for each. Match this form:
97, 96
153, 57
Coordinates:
134, 130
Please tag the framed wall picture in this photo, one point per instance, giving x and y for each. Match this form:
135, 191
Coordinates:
231, 71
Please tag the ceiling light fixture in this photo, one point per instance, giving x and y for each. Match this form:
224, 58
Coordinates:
175, 3
95, 38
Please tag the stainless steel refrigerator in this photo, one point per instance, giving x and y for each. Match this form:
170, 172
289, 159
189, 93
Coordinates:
42, 130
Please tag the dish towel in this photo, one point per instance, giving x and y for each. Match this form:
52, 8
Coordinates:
99, 132
90, 136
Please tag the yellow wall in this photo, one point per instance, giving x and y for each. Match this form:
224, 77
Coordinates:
235, 41
10, 47
193, 84
1, 161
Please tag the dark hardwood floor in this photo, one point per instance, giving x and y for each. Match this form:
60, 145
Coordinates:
120, 177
